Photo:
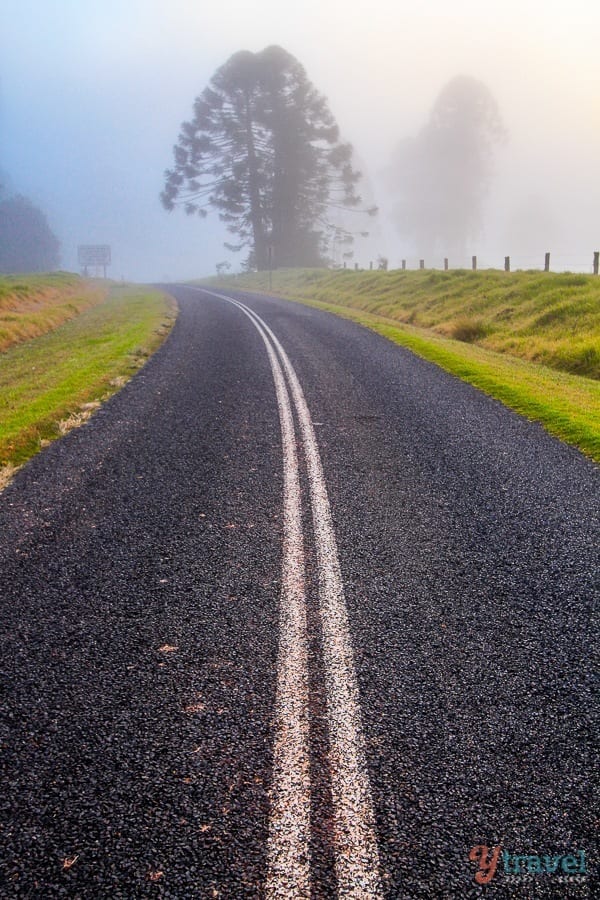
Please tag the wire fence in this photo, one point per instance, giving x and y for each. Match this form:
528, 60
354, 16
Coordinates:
549, 262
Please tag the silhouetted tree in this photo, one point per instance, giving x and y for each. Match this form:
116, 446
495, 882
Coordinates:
443, 174
263, 150
27, 243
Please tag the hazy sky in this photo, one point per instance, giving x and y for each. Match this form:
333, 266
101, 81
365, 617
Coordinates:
92, 94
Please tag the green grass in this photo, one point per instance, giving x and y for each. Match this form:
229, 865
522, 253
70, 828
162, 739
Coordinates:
31, 305
22, 285
52, 382
567, 405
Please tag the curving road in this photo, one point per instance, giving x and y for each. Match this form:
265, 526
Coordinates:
298, 615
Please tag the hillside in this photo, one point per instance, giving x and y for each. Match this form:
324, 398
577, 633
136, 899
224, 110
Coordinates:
32, 305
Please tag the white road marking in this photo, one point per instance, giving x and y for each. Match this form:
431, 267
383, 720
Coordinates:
356, 854
288, 852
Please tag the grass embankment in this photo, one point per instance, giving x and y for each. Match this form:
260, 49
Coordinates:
531, 340
54, 382
31, 305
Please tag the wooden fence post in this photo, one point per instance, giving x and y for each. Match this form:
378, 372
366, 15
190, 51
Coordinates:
547, 263
474, 263
403, 264
507, 263
596, 261
421, 263
445, 264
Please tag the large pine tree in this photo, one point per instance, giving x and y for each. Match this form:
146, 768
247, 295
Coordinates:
263, 149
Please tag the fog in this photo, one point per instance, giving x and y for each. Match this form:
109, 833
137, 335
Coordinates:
92, 96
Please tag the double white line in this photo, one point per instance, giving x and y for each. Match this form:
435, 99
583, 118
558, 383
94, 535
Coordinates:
355, 846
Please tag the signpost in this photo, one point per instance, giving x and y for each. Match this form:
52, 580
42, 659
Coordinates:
270, 257
93, 255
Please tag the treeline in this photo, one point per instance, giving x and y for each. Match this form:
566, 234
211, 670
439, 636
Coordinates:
27, 243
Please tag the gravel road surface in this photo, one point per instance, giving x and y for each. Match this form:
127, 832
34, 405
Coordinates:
440, 696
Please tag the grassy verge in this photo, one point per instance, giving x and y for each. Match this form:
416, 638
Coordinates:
32, 305
54, 382
567, 405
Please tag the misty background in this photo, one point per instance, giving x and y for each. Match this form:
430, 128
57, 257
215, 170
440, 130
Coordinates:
92, 96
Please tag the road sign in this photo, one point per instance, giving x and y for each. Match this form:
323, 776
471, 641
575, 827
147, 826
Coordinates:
93, 255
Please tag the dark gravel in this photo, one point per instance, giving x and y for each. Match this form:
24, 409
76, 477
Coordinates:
157, 524
470, 546
468, 541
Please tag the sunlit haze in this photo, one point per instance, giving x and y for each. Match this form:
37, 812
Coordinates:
92, 95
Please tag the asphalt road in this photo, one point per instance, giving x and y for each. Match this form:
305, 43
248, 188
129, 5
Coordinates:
193, 706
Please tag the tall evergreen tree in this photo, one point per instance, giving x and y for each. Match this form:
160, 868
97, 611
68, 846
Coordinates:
442, 175
263, 150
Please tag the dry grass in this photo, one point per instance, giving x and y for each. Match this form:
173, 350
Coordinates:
467, 330
32, 305
75, 420
7, 474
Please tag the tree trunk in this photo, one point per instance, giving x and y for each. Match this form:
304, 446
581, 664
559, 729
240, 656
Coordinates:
256, 216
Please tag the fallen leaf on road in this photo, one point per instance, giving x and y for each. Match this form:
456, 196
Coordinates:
155, 875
